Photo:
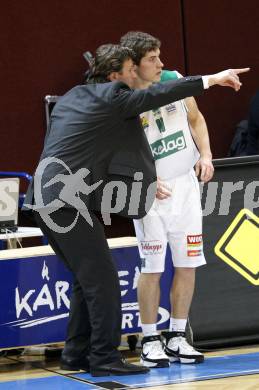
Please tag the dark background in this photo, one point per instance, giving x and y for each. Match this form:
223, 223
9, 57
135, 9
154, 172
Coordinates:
224, 310
42, 45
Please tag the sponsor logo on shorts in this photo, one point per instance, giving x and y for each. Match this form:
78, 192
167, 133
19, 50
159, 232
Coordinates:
195, 240
170, 108
193, 253
151, 247
168, 145
194, 245
143, 262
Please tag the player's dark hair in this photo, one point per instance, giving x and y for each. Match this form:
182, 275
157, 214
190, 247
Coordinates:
140, 42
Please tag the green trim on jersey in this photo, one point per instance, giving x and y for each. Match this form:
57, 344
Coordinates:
168, 75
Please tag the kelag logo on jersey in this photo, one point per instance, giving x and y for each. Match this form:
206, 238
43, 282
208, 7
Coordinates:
168, 145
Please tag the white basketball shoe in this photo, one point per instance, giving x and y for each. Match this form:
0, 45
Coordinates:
178, 349
152, 354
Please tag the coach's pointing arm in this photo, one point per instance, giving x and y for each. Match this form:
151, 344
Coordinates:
129, 103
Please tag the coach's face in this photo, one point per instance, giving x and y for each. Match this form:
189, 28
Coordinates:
127, 75
150, 67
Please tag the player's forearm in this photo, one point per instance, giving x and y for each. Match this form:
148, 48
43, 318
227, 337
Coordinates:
201, 136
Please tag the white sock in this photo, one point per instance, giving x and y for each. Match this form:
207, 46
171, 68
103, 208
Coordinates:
177, 324
149, 330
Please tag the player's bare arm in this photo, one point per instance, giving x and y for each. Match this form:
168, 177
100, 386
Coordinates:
204, 167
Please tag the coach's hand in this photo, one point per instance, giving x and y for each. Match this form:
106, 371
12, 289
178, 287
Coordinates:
163, 191
227, 78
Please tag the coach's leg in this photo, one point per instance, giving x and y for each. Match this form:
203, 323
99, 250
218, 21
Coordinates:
77, 347
87, 253
85, 250
75, 354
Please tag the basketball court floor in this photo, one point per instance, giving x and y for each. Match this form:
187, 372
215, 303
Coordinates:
223, 369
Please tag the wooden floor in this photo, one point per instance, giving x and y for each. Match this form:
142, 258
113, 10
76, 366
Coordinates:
249, 382
18, 367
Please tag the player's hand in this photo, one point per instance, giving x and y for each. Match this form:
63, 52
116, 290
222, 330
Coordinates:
163, 191
204, 169
228, 78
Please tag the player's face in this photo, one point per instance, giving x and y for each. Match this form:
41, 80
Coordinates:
150, 68
128, 73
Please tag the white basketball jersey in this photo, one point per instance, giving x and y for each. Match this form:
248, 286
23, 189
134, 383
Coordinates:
169, 136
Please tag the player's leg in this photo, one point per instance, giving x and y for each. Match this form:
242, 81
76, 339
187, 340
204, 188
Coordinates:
185, 240
152, 246
181, 296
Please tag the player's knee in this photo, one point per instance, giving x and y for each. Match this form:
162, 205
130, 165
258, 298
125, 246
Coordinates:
151, 277
185, 271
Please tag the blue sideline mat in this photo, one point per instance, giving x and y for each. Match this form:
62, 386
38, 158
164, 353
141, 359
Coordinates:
48, 383
212, 368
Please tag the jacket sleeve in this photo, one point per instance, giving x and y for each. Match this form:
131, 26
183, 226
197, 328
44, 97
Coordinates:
129, 103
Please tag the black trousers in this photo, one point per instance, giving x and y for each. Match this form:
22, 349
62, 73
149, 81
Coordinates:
94, 327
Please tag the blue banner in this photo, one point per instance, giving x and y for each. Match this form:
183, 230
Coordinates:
34, 297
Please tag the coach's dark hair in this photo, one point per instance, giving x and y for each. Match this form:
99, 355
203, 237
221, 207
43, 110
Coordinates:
140, 42
109, 58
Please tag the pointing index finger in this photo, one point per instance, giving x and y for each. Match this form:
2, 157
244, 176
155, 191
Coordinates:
242, 70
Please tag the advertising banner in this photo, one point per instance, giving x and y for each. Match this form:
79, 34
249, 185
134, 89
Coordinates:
35, 291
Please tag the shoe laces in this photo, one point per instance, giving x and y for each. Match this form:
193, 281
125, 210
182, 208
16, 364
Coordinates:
155, 346
180, 341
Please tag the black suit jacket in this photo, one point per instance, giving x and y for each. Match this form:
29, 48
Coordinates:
97, 127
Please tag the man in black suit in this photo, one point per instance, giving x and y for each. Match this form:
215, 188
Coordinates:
94, 154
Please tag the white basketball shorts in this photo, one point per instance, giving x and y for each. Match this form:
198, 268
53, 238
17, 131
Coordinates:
176, 220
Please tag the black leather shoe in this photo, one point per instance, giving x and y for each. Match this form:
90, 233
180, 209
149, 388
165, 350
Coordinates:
119, 367
72, 364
